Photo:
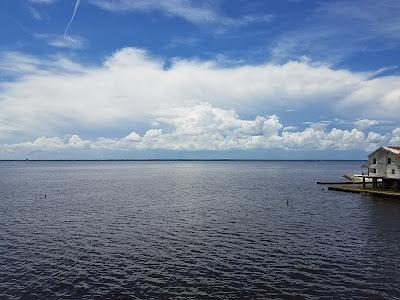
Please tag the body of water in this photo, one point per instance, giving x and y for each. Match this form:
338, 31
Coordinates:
193, 230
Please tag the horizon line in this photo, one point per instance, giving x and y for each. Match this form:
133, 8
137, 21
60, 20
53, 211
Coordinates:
173, 159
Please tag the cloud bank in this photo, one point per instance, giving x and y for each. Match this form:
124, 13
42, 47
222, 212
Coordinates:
203, 127
186, 104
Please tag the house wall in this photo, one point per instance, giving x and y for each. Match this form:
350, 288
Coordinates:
395, 165
381, 166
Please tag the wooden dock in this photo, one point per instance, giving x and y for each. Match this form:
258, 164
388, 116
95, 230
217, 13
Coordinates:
343, 182
360, 189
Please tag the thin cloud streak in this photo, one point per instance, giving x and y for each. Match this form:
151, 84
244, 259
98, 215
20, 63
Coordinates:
191, 11
336, 30
59, 41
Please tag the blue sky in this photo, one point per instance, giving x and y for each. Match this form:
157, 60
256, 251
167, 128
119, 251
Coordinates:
195, 79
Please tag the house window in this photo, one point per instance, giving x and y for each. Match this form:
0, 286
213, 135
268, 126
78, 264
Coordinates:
374, 161
393, 171
389, 160
372, 170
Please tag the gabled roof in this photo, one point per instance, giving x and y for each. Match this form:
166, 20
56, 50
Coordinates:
394, 149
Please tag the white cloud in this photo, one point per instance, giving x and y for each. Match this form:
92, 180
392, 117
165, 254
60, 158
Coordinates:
375, 98
186, 9
183, 41
379, 18
395, 139
54, 96
338, 29
254, 18
60, 41
203, 127
290, 128
35, 14
27, 66
191, 11
43, 1
72, 42
377, 138
17, 63
365, 123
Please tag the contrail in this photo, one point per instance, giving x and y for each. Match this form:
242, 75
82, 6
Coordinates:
72, 18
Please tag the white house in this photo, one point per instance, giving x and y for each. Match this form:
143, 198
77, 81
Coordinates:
384, 163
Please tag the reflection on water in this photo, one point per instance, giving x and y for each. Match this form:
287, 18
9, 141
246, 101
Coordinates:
193, 230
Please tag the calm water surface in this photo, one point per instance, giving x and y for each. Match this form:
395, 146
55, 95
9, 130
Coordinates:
183, 230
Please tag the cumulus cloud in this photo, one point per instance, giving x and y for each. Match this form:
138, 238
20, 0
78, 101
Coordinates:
203, 127
395, 139
365, 123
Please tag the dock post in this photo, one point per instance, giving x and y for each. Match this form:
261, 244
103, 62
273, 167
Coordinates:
363, 182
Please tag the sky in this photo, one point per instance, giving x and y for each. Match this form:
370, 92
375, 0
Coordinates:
158, 79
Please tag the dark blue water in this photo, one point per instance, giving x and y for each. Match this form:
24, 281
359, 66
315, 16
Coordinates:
183, 230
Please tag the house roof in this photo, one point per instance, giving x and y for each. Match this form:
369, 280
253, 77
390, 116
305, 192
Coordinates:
394, 149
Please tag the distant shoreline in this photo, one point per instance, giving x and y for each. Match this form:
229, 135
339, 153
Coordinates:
178, 160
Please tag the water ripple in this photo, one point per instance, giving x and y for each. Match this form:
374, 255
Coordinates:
192, 230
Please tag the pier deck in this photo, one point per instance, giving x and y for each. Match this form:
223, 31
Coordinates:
367, 190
